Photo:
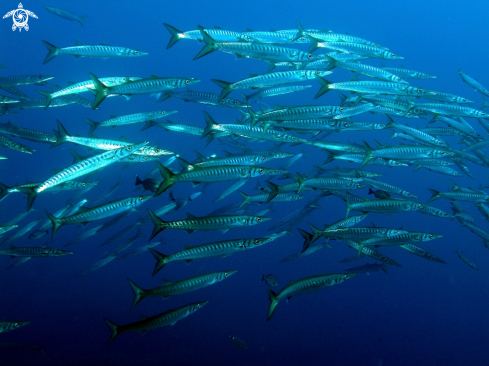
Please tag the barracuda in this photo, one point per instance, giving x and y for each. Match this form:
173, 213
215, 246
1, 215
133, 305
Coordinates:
179, 287
4, 229
406, 73
270, 79
13, 145
27, 134
7, 326
220, 248
459, 196
85, 86
304, 286
248, 131
372, 253
261, 51
263, 198
204, 98
169, 317
193, 223
95, 50
356, 48
280, 90
473, 83
99, 212
152, 85
104, 144
294, 113
329, 183
377, 87
384, 206
82, 168
368, 70
7, 100
420, 252
213, 174
34, 252
128, 119
24, 80
217, 34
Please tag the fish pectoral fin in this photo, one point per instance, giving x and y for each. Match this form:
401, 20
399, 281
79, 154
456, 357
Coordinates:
224, 231
189, 261
143, 332
190, 231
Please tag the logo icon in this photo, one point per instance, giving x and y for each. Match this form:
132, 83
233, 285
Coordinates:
20, 17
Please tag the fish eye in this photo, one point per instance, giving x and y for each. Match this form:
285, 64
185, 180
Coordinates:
393, 55
187, 82
129, 148
431, 236
225, 274
83, 184
263, 158
483, 113
258, 219
293, 137
345, 124
162, 112
443, 153
235, 102
248, 38
157, 150
261, 171
135, 52
140, 199
198, 306
309, 56
303, 38
16, 324
399, 79
420, 205
395, 231
420, 91
145, 158
341, 109
256, 241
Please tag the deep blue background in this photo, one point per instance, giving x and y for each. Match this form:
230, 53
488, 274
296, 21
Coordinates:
424, 313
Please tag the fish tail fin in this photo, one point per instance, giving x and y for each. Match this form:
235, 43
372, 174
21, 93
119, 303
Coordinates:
161, 260
210, 126
138, 181
167, 179
62, 135
147, 124
368, 156
434, 195
330, 157
3, 191
307, 239
384, 268
57, 223
93, 125
114, 328
300, 31
102, 91
210, 44
76, 157
347, 206
246, 199
82, 19
316, 233
301, 181
324, 86
253, 116
49, 99
273, 191
272, 296
157, 223
164, 96
360, 247
225, 88
175, 35
31, 196
138, 293
52, 52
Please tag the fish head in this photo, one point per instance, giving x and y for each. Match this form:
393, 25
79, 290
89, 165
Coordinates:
137, 201
134, 53
430, 236
253, 243
130, 149
59, 252
261, 171
392, 56
225, 274
346, 276
189, 81
244, 37
17, 325
394, 163
320, 73
198, 305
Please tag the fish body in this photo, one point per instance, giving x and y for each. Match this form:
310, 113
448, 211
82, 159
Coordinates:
23, 80
27, 134
367, 268
92, 50
466, 259
128, 119
169, 317
34, 252
172, 288
220, 35
66, 14
408, 74
98, 212
7, 326
152, 85
13, 145
304, 286
204, 98
271, 280
193, 223
473, 83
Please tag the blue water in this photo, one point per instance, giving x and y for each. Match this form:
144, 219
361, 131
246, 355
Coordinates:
424, 313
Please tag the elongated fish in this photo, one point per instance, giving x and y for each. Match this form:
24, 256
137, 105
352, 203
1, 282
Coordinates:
66, 14
92, 50
7, 326
169, 317
170, 288
304, 286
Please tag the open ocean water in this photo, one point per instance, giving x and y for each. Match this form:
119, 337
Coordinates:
423, 313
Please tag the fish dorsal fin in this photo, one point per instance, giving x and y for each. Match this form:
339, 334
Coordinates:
142, 317
56, 171
227, 153
70, 83
165, 281
199, 155
254, 75
190, 216
78, 43
249, 30
113, 116
188, 246
122, 138
154, 77
290, 283
217, 27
